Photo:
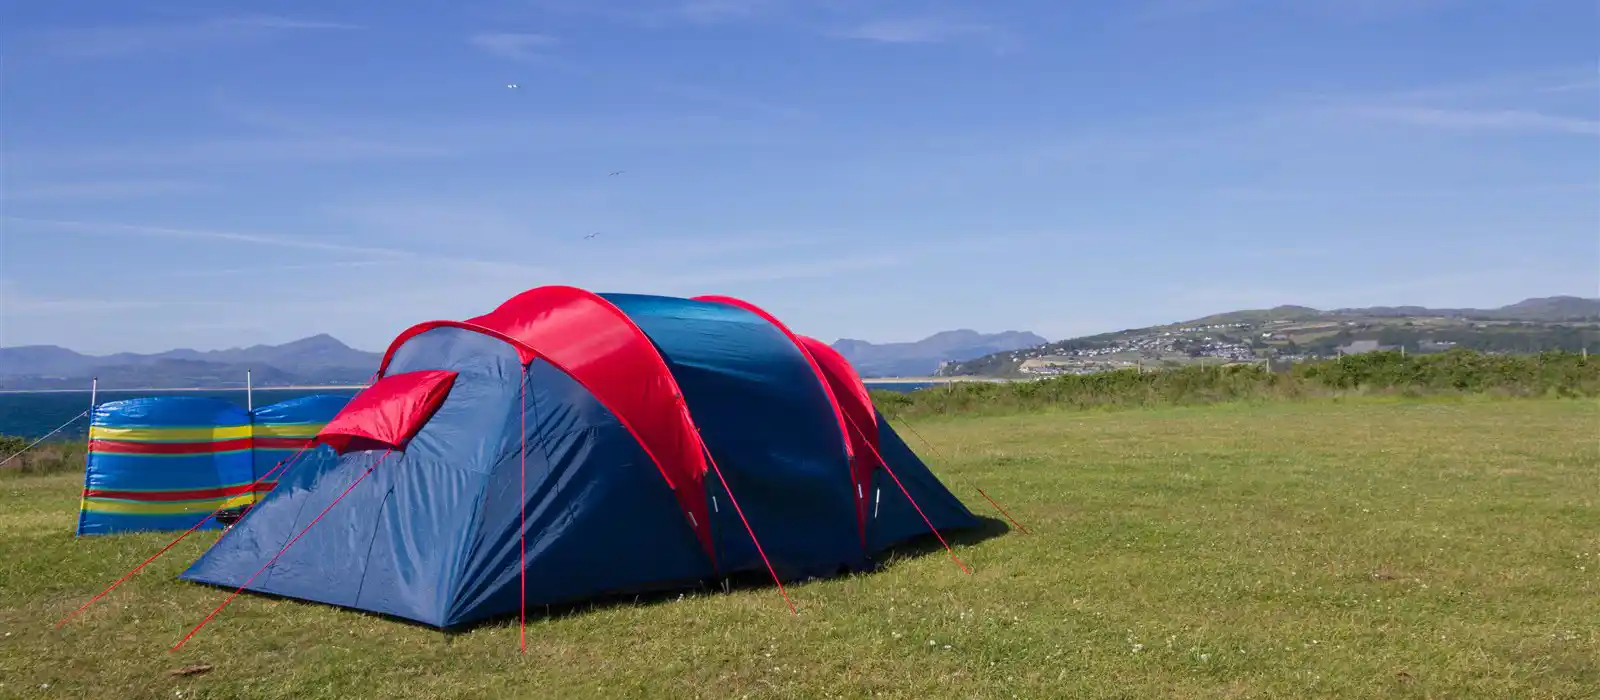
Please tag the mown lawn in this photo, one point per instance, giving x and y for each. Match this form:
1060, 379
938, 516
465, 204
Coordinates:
1361, 548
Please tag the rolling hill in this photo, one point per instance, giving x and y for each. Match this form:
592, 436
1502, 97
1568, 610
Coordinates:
1290, 333
1543, 309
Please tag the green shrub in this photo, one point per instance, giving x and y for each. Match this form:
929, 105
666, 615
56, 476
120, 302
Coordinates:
11, 444
45, 458
1559, 374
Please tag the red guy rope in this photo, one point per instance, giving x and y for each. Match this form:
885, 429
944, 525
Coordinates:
285, 548
903, 490
986, 497
747, 527
283, 465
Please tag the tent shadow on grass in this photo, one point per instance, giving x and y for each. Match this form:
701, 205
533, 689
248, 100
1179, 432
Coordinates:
924, 545
987, 528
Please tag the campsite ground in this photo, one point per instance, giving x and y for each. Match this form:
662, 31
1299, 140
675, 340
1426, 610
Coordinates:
1355, 548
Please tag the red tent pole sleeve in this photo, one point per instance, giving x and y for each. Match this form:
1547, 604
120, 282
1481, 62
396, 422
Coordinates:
522, 512
285, 548
903, 490
279, 466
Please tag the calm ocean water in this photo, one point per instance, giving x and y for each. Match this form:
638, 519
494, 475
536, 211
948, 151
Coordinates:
33, 415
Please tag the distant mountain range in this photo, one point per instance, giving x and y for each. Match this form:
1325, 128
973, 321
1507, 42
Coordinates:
323, 360
924, 357
320, 359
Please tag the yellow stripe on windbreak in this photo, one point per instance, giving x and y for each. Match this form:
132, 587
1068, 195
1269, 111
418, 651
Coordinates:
198, 434
113, 506
232, 432
289, 430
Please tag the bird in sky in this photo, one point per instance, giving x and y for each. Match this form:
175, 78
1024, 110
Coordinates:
615, 173
512, 86
592, 235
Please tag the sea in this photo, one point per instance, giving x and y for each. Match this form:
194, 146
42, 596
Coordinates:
33, 415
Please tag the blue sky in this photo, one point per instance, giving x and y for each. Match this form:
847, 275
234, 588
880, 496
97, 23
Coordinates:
184, 174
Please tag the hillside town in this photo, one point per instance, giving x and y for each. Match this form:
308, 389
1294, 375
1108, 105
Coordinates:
1279, 341
1181, 345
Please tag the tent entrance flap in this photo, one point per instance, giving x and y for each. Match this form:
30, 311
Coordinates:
388, 413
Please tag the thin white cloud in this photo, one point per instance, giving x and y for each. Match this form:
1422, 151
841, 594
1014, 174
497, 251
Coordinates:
105, 228
658, 14
1528, 102
1164, 10
701, 93
103, 190
701, 282
1282, 194
513, 46
133, 40
368, 138
466, 265
928, 30
530, 48
723, 10
1467, 120
622, 253
259, 272
1535, 85
21, 305
1583, 85
1361, 11
1350, 11
324, 148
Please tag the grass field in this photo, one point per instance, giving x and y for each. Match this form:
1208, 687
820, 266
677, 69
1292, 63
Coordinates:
1357, 548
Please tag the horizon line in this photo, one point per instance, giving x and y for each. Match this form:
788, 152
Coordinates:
328, 387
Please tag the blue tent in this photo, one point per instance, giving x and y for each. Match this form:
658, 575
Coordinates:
597, 443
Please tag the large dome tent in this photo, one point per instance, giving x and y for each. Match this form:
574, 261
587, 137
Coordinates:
569, 445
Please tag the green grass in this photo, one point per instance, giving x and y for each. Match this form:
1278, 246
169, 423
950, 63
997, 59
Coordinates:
1344, 548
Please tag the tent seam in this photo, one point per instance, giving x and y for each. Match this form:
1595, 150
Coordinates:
297, 515
366, 560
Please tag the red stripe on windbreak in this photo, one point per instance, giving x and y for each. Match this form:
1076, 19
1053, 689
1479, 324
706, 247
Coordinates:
184, 495
180, 495
167, 448
282, 443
